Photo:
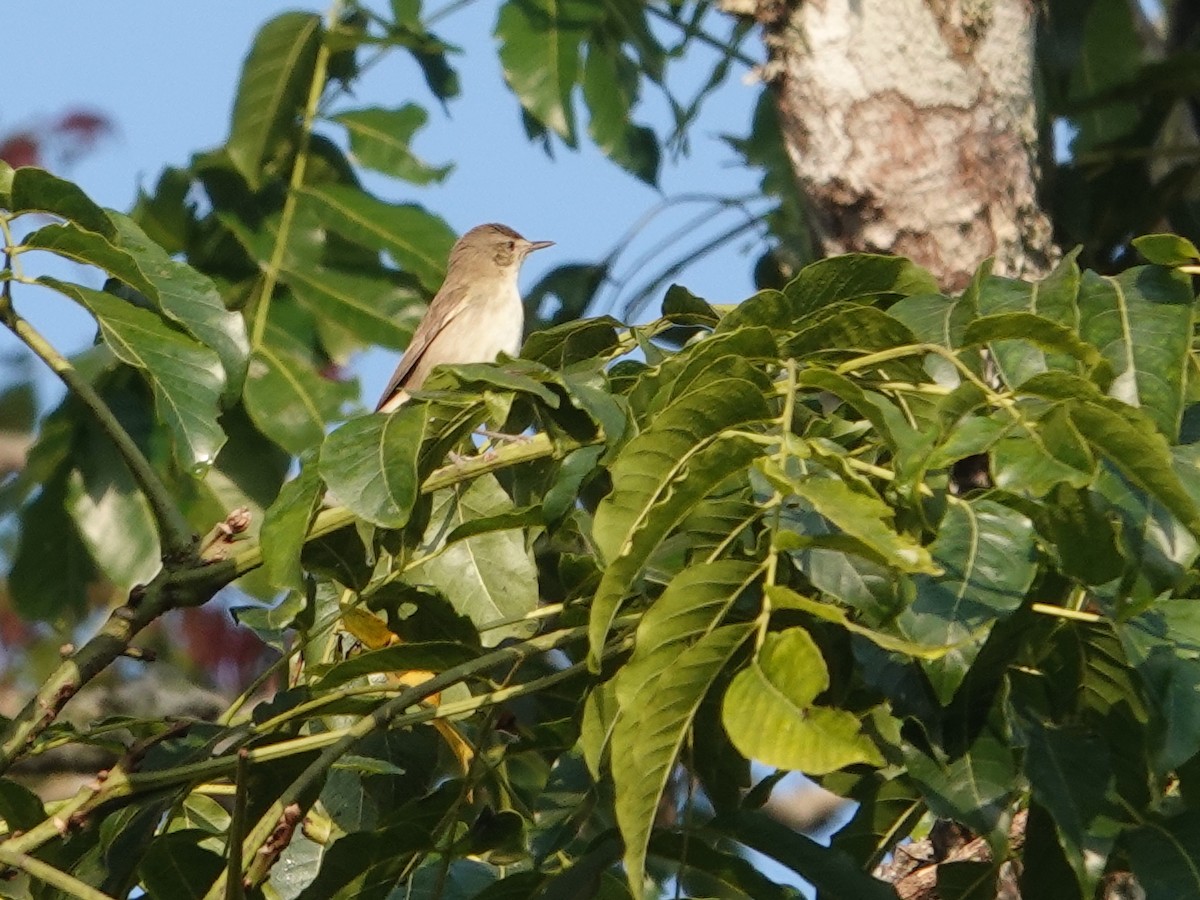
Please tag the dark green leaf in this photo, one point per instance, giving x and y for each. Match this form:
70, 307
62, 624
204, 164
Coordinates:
418, 240
610, 81
275, 82
36, 190
1165, 854
490, 577
52, 569
186, 377
113, 518
370, 464
831, 872
175, 865
539, 50
286, 524
1167, 249
379, 140
650, 731
974, 789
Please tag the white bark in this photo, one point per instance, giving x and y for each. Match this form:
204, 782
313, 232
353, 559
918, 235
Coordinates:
911, 127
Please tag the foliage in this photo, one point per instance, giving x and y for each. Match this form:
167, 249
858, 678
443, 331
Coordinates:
748, 547
734, 534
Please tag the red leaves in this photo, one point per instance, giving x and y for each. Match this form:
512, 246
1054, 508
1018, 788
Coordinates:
57, 143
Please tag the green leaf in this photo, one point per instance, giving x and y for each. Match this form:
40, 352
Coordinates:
988, 557
371, 309
975, 789
1125, 436
1142, 322
20, 807
769, 714
599, 717
112, 516
659, 497
1106, 59
36, 190
692, 604
1165, 855
175, 865
1027, 327
1053, 299
650, 731
6, 182
1039, 454
366, 864
370, 464
418, 240
179, 292
287, 399
866, 518
539, 51
846, 328
1167, 249
52, 569
435, 656
379, 140
1073, 794
888, 810
572, 342
188, 298
704, 867
785, 598
831, 872
489, 577
286, 525
934, 318
855, 276
610, 82
186, 377
274, 84
648, 464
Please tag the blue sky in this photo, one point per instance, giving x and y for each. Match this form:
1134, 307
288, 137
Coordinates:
166, 74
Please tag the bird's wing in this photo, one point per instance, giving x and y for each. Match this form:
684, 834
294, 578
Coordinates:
444, 307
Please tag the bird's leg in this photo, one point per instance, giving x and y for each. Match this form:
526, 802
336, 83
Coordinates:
501, 437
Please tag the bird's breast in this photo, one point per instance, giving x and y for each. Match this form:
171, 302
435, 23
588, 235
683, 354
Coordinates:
494, 325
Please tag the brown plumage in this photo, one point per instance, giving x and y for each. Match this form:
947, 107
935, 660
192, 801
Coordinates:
476, 314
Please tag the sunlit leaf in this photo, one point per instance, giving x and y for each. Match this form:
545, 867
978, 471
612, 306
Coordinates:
770, 716
275, 81
186, 377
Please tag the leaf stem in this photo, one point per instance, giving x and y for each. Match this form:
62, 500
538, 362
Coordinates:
47, 874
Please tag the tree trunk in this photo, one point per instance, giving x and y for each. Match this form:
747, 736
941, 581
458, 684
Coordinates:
911, 126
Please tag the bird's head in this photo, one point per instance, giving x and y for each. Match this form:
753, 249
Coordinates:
496, 243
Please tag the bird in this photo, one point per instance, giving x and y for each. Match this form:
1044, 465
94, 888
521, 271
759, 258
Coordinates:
476, 313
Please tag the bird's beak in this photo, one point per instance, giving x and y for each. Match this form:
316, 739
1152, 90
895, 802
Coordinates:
539, 245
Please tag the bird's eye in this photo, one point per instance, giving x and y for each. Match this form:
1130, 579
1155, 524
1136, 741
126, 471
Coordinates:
510, 246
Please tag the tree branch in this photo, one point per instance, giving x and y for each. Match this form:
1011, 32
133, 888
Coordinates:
195, 585
178, 541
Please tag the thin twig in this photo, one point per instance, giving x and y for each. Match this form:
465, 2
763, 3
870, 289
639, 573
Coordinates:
46, 873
